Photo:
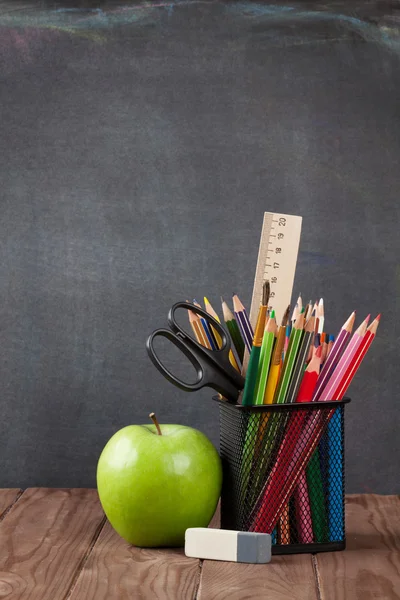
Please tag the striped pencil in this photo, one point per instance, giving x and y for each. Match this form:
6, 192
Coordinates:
334, 356
233, 329
243, 322
198, 329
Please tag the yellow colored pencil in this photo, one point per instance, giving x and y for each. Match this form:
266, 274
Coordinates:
276, 360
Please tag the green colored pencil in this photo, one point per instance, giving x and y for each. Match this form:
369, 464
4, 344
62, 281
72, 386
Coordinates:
249, 388
290, 359
265, 358
317, 499
233, 329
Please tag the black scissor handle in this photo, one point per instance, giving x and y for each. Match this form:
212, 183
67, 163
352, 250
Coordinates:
212, 366
180, 343
218, 359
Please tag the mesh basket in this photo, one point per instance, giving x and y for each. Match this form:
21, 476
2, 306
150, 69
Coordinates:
283, 467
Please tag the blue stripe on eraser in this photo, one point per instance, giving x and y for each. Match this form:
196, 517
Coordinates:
253, 547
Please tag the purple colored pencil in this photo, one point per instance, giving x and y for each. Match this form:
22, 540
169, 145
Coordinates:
334, 356
244, 324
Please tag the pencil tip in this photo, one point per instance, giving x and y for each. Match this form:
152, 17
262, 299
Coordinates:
378, 318
206, 300
222, 300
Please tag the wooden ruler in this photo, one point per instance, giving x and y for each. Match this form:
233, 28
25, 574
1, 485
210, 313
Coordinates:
277, 259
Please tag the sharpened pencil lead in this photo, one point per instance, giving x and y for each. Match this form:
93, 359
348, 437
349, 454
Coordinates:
285, 319
266, 293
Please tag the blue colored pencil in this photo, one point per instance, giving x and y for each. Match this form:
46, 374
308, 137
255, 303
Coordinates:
335, 475
207, 330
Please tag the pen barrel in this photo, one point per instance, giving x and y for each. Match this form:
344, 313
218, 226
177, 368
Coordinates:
281, 472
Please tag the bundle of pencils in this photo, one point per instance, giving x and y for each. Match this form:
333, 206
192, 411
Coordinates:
294, 362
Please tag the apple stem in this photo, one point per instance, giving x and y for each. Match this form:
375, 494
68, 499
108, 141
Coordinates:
154, 419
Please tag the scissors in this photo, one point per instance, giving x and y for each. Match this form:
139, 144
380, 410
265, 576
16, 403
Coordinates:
213, 367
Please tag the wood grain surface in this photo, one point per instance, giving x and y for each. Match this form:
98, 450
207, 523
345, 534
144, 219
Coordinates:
7, 498
285, 578
116, 569
43, 540
56, 545
369, 568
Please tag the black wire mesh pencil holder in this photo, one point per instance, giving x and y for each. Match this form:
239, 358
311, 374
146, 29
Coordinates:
284, 473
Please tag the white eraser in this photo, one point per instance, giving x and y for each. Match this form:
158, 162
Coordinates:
223, 544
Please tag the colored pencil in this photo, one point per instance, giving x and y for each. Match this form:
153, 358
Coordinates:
330, 344
211, 311
249, 389
300, 360
303, 511
233, 329
265, 358
252, 370
324, 345
243, 322
287, 339
308, 311
207, 329
297, 309
276, 360
283, 527
290, 357
198, 329
316, 494
334, 356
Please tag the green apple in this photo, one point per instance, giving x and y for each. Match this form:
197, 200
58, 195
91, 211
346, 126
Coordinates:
153, 486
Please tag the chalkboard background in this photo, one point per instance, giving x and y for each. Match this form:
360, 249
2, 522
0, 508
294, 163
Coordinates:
140, 146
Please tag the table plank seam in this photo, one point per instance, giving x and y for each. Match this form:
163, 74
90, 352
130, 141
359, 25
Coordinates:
314, 561
199, 576
9, 508
85, 557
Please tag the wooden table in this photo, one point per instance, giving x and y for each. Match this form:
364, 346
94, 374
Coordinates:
55, 544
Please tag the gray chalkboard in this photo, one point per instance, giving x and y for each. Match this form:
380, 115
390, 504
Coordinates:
140, 146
